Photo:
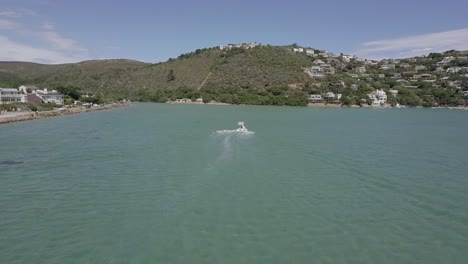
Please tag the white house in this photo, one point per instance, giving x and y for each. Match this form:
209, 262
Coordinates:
316, 71
310, 52
378, 97
315, 98
419, 67
243, 46
51, 96
388, 67
454, 69
319, 62
330, 96
347, 58
298, 49
360, 69
394, 92
11, 95
371, 62
446, 60
24, 89
328, 69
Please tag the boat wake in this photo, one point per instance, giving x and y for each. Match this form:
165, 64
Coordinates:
242, 130
234, 131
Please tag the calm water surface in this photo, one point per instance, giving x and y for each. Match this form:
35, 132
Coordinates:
153, 183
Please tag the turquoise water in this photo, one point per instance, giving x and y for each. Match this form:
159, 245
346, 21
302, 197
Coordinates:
154, 183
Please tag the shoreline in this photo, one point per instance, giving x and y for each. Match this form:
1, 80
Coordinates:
26, 116
330, 105
198, 103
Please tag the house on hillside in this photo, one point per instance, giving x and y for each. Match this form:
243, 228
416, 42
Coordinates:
51, 96
424, 76
319, 71
323, 54
249, 45
298, 49
25, 88
347, 58
360, 69
316, 71
378, 97
338, 84
419, 68
371, 62
446, 60
332, 97
328, 69
395, 75
11, 95
310, 52
340, 65
455, 84
240, 46
315, 98
319, 62
387, 67
454, 69
393, 92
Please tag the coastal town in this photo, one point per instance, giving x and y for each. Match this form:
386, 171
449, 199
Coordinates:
30, 94
242, 74
342, 80
434, 80
28, 102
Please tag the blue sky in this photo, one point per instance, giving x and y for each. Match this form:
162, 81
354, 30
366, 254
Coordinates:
54, 31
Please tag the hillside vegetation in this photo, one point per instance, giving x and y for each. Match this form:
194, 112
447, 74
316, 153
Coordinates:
261, 75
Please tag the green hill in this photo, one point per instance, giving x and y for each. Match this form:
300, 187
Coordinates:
220, 72
261, 75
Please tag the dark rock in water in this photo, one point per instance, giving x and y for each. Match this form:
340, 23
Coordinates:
10, 162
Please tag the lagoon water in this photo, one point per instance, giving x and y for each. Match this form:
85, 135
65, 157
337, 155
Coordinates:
154, 183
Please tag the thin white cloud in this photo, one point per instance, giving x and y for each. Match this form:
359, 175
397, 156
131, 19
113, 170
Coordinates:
7, 24
48, 26
415, 45
14, 51
59, 48
60, 42
9, 13
27, 12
